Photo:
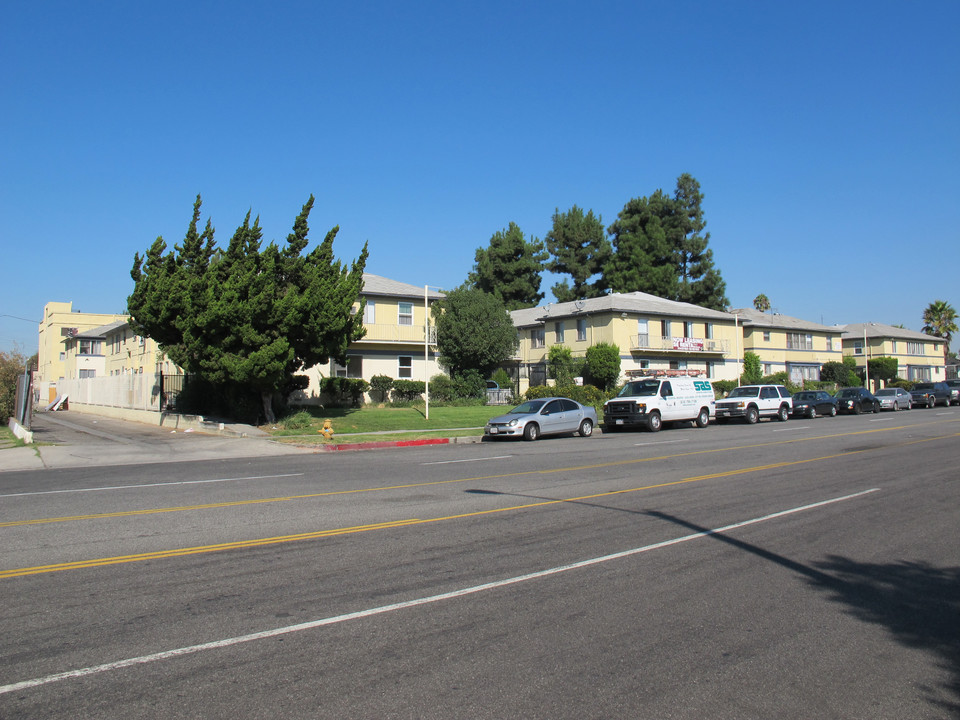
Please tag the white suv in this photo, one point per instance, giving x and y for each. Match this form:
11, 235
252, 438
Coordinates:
752, 402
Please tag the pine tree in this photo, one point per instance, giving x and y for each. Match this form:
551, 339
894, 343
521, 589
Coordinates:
579, 248
643, 258
699, 282
510, 268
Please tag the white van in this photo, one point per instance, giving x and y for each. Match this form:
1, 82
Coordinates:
650, 402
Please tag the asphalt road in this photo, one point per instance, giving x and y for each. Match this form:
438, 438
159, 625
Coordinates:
808, 569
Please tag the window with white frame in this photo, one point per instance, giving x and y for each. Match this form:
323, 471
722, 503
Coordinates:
858, 347
536, 337
643, 333
919, 373
708, 331
581, 329
353, 368
87, 374
405, 367
89, 347
369, 313
558, 330
688, 331
405, 314
914, 348
766, 336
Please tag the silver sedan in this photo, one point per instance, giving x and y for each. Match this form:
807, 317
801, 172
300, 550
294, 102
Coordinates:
545, 416
894, 398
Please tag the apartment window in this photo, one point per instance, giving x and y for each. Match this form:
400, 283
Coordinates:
89, 347
536, 337
643, 333
709, 365
581, 329
370, 313
678, 364
688, 331
766, 336
63, 356
87, 374
405, 366
406, 314
767, 368
893, 347
858, 347
799, 341
558, 329
353, 368
708, 331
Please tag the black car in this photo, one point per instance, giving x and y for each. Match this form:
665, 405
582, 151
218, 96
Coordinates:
857, 400
954, 386
809, 403
928, 394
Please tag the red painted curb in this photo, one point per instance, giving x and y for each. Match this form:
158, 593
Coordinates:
386, 444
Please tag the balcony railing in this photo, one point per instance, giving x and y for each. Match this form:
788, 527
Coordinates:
382, 332
680, 345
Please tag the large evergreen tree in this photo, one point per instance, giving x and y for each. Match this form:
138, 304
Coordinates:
247, 317
578, 247
474, 331
510, 268
643, 258
700, 281
660, 248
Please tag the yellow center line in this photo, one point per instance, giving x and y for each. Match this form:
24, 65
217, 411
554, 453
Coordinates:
261, 542
329, 493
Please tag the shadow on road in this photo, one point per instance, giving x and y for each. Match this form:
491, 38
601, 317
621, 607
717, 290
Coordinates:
918, 603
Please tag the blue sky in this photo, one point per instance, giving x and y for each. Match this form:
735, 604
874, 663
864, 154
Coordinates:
825, 137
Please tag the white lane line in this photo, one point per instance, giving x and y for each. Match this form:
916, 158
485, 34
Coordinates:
147, 485
451, 462
791, 429
289, 629
659, 442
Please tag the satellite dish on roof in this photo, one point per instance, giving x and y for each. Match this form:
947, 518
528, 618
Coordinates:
579, 304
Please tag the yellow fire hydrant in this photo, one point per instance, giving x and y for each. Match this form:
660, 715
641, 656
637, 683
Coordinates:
327, 429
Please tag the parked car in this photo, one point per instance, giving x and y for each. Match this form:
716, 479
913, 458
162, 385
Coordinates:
649, 402
857, 400
928, 394
894, 398
954, 386
752, 402
809, 403
546, 416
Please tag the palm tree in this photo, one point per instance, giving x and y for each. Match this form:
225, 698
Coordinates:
940, 319
761, 302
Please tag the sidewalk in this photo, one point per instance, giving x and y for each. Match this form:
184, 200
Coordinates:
68, 440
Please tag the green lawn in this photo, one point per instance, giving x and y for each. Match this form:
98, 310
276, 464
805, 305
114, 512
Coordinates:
400, 423
8, 439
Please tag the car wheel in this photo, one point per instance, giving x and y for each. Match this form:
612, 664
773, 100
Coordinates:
930, 403
653, 422
531, 432
896, 405
876, 408
586, 428
751, 415
703, 419
783, 414
833, 411
857, 409
812, 411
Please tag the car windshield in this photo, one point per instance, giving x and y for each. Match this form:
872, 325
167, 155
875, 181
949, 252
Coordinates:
527, 408
640, 388
805, 396
746, 391
885, 392
849, 392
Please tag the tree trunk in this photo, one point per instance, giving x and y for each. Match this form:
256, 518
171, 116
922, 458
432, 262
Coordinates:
267, 398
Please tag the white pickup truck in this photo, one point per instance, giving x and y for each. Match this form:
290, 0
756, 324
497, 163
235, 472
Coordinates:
752, 402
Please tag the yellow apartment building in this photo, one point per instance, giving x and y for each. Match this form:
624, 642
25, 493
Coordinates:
61, 322
919, 356
400, 341
787, 344
655, 336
